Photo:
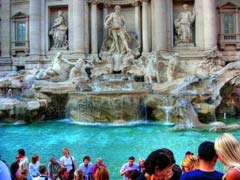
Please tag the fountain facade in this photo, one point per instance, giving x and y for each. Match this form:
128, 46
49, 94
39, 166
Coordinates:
114, 60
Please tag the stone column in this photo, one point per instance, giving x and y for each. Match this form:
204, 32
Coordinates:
145, 26
78, 25
160, 27
199, 23
94, 29
5, 29
137, 12
35, 30
105, 13
210, 26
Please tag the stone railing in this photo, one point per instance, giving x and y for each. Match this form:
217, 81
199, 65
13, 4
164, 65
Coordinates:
115, 2
229, 39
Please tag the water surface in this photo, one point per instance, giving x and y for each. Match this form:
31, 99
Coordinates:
114, 143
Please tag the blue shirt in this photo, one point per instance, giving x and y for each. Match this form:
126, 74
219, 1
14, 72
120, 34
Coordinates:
85, 169
4, 172
126, 166
201, 175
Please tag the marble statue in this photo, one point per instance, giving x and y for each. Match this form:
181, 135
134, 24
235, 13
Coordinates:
59, 69
115, 24
172, 66
79, 71
59, 32
183, 25
151, 69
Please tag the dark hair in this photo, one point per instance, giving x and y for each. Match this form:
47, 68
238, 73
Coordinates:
131, 158
133, 174
21, 151
206, 151
86, 157
160, 158
42, 168
13, 169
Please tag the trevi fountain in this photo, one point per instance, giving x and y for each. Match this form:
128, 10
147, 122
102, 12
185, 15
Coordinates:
127, 85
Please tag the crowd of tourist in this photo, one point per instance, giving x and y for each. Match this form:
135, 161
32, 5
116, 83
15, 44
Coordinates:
159, 165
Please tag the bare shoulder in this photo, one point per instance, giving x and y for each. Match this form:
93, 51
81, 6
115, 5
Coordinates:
233, 174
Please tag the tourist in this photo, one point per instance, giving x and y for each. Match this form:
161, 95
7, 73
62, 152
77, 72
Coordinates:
99, 163
33, 167
207, 159
15, 172
141, 167
101, 173
53, 167
23, 164
189, 162
228, 151
78, 175
85, 167
127, 167
160, 164
68, 162
42, 173
63, 174
4, 171
133, 175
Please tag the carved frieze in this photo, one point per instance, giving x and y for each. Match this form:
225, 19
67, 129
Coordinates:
115, 2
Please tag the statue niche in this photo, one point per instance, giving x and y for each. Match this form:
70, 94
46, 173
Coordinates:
58, 33
184, 26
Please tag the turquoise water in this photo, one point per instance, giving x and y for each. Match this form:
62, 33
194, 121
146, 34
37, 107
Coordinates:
114, 143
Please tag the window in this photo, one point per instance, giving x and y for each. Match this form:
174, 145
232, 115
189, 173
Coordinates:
229, 23
19, 34
20, 31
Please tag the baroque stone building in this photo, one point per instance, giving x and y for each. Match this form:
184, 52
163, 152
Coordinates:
29, 39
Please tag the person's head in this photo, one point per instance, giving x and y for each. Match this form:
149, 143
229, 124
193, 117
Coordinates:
101, 174
132, 175
52, 160
99, 161
228, 149
13, 168
63, 173
86, 160
21, 152
35, 158
206, 151
189, 162
42, 169
141, 162
117, 9
131, 160
65, 151
160, 163
78, 174
18, 158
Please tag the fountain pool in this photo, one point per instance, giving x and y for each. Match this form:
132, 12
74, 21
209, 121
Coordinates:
113, 142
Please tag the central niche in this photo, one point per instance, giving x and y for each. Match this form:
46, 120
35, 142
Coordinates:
184, 15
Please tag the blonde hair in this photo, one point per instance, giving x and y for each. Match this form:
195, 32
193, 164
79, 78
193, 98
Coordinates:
101, 174
78, 175
190, 162
228, 147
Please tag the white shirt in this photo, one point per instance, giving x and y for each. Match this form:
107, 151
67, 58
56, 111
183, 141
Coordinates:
67, 162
